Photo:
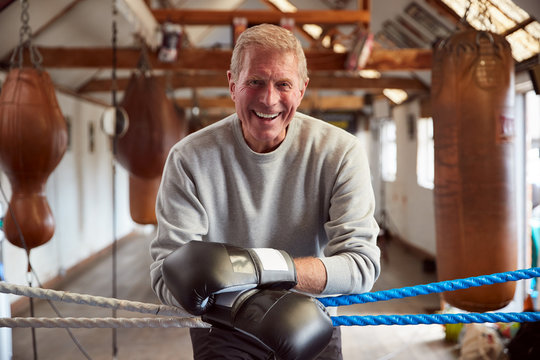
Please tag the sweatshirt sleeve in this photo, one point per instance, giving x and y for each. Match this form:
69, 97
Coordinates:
352, 257
180, 218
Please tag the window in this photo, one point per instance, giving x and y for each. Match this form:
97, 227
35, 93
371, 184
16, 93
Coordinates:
533, 155
388, 151
425, 160
532, 247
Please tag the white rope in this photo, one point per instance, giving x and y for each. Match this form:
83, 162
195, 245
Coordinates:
183, 319
100, 301
107, 322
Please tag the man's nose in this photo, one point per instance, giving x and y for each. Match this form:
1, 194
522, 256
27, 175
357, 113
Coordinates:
270, 95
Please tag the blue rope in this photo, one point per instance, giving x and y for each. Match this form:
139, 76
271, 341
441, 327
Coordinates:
448, 285
435, 319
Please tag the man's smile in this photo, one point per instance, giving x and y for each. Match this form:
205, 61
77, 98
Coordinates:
266, 116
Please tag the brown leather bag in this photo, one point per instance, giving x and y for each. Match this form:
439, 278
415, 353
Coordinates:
33, 140
154, 127
473, 106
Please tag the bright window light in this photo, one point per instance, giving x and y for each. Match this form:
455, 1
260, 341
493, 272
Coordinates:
339, 48
425, 156
369, 74
284, 5
523, 44
534, 29
326, 41
512, 10
314, 30
396, 95
532, 109
500, 20
388, 150
499, 16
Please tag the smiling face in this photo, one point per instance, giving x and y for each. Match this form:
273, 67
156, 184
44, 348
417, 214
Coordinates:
266, 95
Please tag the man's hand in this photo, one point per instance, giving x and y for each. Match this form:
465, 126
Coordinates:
198, 270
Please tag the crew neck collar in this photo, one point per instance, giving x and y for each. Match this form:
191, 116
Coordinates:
268, 156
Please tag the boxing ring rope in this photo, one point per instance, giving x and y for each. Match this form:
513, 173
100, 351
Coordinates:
421, 319
448, 285
190, 321
91, 300
102, 323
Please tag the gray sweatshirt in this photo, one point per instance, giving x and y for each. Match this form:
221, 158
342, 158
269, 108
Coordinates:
312, 196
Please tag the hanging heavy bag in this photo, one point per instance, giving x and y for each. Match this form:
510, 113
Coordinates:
33, 139
154, 127
473, 103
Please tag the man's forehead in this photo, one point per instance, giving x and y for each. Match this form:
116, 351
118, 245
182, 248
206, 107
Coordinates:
271, 76
265, 70
257, 50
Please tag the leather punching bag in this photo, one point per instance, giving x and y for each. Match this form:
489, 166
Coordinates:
154, 127
33, 139
142, 199
472, 98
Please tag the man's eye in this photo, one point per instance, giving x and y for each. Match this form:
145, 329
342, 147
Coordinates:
255, 82
284, 85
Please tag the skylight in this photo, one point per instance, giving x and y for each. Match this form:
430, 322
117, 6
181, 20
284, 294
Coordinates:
502, 16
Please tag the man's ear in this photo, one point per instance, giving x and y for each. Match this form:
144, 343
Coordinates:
232, 84
303, 89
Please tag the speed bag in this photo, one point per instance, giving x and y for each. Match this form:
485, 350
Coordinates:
472, 98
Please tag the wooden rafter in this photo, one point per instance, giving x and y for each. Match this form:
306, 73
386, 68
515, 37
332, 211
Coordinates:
218, 59
519, 26
191, 80
211, 17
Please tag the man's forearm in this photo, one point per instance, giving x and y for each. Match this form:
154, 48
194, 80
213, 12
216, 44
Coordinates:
311, 275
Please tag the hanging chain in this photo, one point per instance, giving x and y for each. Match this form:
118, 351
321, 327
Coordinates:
113, 172
25, 40
114, 59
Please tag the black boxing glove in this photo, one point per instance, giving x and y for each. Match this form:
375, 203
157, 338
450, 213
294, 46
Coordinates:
198, 270
292, 325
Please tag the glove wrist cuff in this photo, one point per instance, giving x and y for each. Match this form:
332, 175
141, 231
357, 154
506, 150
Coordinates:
274, 266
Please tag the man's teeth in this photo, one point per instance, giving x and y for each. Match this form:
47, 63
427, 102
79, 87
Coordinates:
266, 116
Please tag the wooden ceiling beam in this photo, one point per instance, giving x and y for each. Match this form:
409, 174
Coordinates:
128, 58
400, 59
219, 80
212, 17
329, 81
217, 59
519, 26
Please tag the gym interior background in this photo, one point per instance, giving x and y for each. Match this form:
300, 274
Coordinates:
385, 97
